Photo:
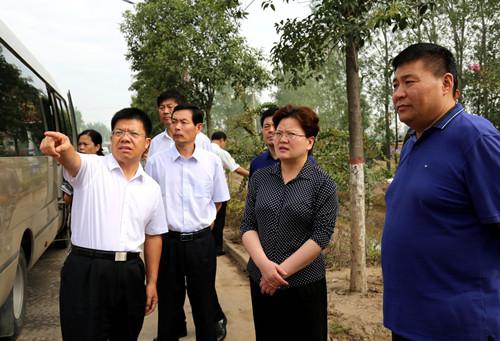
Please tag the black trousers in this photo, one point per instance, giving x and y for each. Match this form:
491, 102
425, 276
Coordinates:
396, 337
218, 230
187, 265
298, 313
101, 299
219, 314
180, 316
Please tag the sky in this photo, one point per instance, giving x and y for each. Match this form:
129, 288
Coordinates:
80, 44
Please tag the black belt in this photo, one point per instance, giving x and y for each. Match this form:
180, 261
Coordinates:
188, 236
111, 255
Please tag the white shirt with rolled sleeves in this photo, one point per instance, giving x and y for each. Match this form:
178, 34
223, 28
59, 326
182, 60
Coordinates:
163, 141
190, 187
226, 158
109, 211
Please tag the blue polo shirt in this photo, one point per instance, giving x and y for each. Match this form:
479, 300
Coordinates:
265, 159
440, 247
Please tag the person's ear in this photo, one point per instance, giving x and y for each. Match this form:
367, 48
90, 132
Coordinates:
448, 82
199, 127
310, 141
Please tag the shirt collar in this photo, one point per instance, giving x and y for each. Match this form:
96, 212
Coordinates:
445, 120
306, 172
166, 136
113, 164
175, 155
449, 116
268, 155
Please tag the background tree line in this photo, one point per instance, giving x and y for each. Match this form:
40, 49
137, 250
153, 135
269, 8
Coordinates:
336, 60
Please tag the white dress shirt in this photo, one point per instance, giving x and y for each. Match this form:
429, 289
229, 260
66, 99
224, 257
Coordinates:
163, 141
226, 158
111, 212
190, 187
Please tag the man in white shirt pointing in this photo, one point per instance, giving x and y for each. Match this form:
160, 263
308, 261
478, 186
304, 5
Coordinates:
117, 207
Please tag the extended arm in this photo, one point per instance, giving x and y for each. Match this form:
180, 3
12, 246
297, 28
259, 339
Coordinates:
242, 171
59, 147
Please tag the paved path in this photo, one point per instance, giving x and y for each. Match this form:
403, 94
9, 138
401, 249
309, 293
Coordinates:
42, 316
234, 295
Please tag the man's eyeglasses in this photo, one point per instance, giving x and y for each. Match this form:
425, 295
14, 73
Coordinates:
288, 134
120, 133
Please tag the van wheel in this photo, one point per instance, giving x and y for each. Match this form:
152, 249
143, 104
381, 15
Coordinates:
18, 293
14, 309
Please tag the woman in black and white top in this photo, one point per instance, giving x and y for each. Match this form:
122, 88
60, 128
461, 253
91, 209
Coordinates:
289, 218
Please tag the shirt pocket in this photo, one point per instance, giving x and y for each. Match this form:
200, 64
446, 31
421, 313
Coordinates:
203, 189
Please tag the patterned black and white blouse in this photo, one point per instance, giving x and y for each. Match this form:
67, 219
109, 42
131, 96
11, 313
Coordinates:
285, 216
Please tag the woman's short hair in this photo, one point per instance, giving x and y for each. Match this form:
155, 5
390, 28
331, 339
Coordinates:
307, 118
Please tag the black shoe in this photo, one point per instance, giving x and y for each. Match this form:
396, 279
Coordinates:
221, 253
220, 329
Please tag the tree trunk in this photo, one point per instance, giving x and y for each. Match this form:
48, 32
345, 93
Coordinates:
208, 119
387, 114
208, 113
357, 181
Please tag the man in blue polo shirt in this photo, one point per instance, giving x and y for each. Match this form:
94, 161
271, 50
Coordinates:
441, 239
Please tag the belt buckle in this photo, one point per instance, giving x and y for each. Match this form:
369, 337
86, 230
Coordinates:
120, 256
187, 237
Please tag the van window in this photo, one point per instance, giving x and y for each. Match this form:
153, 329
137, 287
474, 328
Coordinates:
63, 116
23, 97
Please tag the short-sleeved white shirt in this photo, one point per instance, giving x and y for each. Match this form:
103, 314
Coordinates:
190, 187
226, 158
163, 141
109, 211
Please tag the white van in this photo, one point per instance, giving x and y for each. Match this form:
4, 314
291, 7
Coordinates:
32, 212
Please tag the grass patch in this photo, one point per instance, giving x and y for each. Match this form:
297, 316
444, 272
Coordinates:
336, 328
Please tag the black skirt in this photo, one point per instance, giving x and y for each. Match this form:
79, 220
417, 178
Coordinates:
297, 313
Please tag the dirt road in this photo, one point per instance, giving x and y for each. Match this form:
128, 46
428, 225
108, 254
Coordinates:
234, 295
42, 315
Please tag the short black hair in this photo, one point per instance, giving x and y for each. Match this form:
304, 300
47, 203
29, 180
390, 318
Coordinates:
437, 58
170, 94
268, 112
197, 113
219, 135
133, 114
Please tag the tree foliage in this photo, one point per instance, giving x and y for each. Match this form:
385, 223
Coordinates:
193, 46
325, 93
468, 29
